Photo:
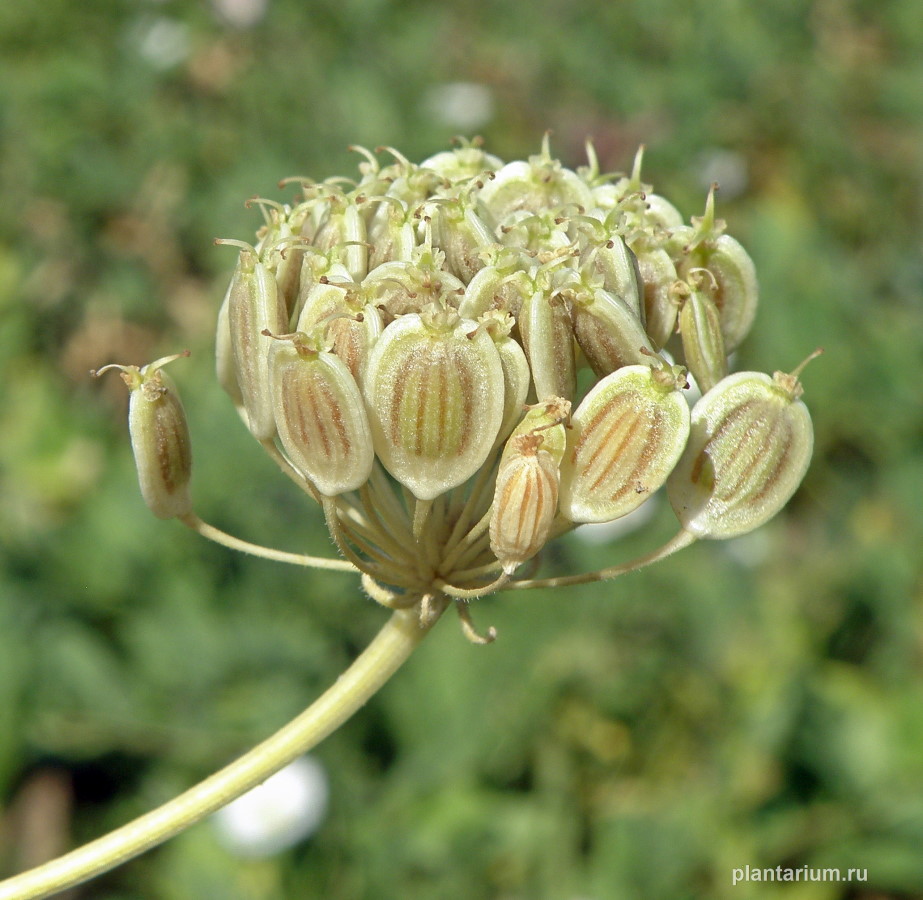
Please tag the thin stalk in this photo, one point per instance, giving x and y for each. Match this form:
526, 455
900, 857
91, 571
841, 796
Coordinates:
472, 503
363, 540
410, 501
425, 538
460, 593
463, 544
490, 568
384, 569
228, 540
469, 629
378, 662
388, 534
391, 599
368, 532
387, 500
421, 514
677, 542
476, 547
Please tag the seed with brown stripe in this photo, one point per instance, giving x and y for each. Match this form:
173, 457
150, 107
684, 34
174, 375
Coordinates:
625, 438
352, 325
435, 395
609, 332
320, 416
159, 438
548, 337
517, 377
749, 449
525, 500
700, 330
732, 284
254, 306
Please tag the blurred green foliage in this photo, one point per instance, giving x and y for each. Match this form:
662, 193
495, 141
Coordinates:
759, 703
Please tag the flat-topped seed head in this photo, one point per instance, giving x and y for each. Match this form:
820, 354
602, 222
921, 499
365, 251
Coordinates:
320, 416
458, 291
525, 501
435, 397
625, 438
748, 451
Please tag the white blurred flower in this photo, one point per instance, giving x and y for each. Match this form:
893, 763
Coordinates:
163, 42
241, 13
606, 532
750, 550
286, 808
725, 168
460, 104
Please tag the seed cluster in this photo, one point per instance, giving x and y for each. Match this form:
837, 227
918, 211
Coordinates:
464, 358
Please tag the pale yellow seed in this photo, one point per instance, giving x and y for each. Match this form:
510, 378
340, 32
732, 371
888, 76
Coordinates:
525, 502
625, 438
749, 449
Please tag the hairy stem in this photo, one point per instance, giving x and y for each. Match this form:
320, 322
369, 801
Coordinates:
192, 521
377, 663
677, 542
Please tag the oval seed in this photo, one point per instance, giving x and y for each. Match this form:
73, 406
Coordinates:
320, 416
525, 501
434, 393
625, 438
749, 449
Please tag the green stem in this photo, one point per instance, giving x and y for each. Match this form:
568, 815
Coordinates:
378, 662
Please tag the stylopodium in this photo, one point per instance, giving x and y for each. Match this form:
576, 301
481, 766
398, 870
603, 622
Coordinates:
463, 359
